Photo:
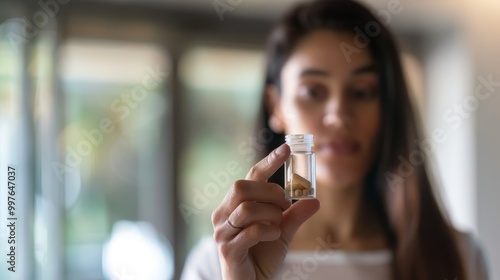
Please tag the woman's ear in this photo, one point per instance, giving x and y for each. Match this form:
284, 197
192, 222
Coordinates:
272, 98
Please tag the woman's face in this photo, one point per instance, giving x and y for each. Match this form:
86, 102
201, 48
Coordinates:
337, 99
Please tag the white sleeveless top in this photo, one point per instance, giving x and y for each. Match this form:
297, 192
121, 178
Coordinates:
203, 263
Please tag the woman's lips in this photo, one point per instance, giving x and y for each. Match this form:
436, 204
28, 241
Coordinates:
339, 148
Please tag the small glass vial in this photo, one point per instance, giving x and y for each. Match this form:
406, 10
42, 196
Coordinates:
300, 167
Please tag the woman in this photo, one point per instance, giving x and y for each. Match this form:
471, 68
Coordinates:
334, 71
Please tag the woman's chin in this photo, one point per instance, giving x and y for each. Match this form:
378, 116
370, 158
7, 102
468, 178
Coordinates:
338, 183
339, 178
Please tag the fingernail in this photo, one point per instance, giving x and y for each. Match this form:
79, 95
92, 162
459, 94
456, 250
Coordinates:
281, 150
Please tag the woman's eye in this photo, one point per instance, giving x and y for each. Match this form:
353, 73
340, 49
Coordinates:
364, 94
313, 92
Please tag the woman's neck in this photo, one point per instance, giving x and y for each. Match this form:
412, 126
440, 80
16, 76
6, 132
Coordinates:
345, 221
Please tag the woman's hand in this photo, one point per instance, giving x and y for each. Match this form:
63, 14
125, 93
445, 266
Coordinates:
255, 223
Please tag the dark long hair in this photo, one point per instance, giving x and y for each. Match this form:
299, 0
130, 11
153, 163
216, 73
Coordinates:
421, 237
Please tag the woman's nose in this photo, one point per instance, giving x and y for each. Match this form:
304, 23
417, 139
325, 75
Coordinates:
337, 113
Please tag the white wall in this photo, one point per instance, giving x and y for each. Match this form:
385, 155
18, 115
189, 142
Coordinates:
485, 39
449, 82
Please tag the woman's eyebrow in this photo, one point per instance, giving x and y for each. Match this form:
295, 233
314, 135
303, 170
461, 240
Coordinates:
313, 72
365, 69
320, 72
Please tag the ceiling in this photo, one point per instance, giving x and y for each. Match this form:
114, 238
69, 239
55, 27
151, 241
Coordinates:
422, 14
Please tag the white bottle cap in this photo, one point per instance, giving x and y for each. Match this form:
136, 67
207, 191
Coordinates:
300, 142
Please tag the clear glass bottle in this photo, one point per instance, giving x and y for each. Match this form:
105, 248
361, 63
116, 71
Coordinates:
300, 167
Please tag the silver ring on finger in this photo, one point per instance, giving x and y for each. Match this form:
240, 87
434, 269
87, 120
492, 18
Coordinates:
233, 226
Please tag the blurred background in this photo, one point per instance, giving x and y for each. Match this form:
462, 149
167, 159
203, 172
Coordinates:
127, 120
